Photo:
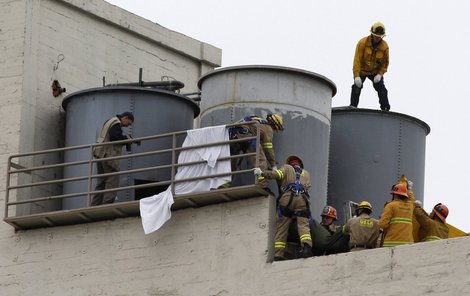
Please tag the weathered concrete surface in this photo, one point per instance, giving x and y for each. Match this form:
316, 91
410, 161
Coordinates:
216, 250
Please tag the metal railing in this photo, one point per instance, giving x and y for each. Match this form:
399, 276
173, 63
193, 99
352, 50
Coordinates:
14, 168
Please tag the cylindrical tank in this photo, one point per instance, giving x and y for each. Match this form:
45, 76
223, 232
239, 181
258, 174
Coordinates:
369, 151
302, 97
155, 111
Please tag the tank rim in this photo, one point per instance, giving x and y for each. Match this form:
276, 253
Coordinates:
317, 76
67, 99
341, 110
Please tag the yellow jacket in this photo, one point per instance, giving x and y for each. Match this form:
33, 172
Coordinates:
396, 222
286, 174
369, 60
266, 135
431, 229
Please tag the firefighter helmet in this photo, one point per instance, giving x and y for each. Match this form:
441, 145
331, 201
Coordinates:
293, 157
399, 189
276, 121
378, 30
364, 205
441, 211
329, 211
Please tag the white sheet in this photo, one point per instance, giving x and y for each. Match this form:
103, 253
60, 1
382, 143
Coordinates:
209, 154
156, 210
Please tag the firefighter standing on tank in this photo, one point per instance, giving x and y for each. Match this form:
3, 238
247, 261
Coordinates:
371, 61
293, 204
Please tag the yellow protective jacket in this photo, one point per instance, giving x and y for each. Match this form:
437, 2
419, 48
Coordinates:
286, 174
431, 229
369, 60
396, 222
266, 135
364, 231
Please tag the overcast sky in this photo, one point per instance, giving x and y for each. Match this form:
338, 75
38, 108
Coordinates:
427, 77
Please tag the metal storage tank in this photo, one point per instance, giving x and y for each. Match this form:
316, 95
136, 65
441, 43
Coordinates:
369, 151
302, 97
156, 111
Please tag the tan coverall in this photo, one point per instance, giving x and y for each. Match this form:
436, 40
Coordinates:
396, 222
363, 232
431, 229
265, 147
107, 166
296, 203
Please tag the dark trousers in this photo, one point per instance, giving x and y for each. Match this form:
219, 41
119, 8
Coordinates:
108, 182
379, 87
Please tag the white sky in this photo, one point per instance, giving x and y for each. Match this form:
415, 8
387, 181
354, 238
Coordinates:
427, 77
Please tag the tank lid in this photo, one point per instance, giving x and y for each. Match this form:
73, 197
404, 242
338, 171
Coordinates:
136, 89
270, 68
349, 110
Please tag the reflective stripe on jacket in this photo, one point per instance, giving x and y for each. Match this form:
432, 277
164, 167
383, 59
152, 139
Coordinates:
369, 60
431, 229
266, 135
396, 221
286, 174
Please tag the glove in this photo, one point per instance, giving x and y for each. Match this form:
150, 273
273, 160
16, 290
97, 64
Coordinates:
377, 78
358, 82
410, 185
273, 168
418, 203
257, 171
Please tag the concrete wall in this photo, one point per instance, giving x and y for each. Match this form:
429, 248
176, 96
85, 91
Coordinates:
216, 250
77, 43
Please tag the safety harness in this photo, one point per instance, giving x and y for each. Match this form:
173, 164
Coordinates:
235, 131
295, 189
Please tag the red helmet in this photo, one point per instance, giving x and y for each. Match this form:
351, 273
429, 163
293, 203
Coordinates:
329, 211
399, 189
293, 158
441, 211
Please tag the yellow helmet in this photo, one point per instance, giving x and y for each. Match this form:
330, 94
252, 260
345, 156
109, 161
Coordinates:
364, 205
378, 30
276, 121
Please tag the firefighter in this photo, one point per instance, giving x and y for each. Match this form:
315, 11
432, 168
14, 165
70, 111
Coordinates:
328, 218
111, 131
363, 230
273, 122
433, 226
371, 61
293, 204
396, 219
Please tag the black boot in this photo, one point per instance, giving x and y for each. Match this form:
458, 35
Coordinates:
306, 251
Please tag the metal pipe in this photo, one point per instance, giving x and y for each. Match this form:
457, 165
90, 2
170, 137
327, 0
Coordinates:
168, 85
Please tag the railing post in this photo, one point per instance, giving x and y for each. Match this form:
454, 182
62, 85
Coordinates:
173, 162
258, 145
90, 173
7, 188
